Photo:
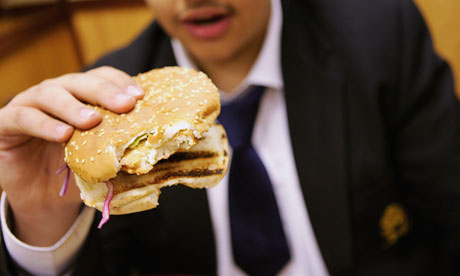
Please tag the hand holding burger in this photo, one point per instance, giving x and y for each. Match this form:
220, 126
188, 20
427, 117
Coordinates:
32, 127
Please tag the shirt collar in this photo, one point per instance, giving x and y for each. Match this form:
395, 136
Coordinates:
266, 70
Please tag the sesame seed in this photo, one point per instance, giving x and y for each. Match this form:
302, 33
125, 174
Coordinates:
76, 147
99, 151
189, 103
83, 161
92, 159
76, 160
84, 142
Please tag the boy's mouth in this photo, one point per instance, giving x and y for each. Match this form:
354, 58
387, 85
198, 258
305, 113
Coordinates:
207, 22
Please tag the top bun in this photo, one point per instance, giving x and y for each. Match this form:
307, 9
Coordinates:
178, 107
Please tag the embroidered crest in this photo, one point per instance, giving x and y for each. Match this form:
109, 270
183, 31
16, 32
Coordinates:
394, 223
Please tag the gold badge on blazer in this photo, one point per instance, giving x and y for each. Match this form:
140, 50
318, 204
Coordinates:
394, 223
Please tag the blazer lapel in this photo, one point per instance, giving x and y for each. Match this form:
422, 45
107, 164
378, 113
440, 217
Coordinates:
315, 99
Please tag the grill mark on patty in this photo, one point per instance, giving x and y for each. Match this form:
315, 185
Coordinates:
187, 155
119, 188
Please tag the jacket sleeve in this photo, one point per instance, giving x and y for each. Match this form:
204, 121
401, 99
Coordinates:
426, 137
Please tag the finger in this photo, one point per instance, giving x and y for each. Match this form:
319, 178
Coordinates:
63, 106
20, 120
120, 78
94, 90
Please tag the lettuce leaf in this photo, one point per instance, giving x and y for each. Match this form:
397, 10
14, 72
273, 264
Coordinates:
138, 139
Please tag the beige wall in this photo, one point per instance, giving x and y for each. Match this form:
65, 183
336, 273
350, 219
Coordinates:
102, 30
49, 55
55, 51
443, 18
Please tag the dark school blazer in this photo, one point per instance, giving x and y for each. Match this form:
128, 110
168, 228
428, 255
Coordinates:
375, 129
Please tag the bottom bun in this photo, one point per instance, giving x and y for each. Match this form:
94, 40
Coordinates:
203, 166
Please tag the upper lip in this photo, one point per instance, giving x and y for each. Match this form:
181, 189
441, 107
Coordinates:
203, 13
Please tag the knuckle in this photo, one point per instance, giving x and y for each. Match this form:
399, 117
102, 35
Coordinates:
106, 68
17, 115
106, 86
43, 87
47, 82
19, 98
101, 70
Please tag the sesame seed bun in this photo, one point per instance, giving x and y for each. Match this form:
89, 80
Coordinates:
175, 115
179, 104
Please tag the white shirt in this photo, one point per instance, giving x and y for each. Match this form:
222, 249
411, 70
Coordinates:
273, 144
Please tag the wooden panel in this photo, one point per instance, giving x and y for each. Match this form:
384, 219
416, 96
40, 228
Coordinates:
443, 18
49, 55
102, 30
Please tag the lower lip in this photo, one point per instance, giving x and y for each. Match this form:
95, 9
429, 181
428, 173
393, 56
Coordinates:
209, 31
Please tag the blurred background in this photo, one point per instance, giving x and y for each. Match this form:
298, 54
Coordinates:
41, 39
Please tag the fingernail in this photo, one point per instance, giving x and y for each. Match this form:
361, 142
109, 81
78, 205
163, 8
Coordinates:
87, 112
123, 98
134, 91
61, 129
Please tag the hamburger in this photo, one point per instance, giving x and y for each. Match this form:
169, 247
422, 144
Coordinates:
169, 138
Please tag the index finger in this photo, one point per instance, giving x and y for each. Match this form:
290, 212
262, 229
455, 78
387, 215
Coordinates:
120, 78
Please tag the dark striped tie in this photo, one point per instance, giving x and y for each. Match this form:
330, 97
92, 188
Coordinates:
258, 240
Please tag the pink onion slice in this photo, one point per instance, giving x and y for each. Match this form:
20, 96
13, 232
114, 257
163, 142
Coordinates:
62, 168
106, 210
65, 184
